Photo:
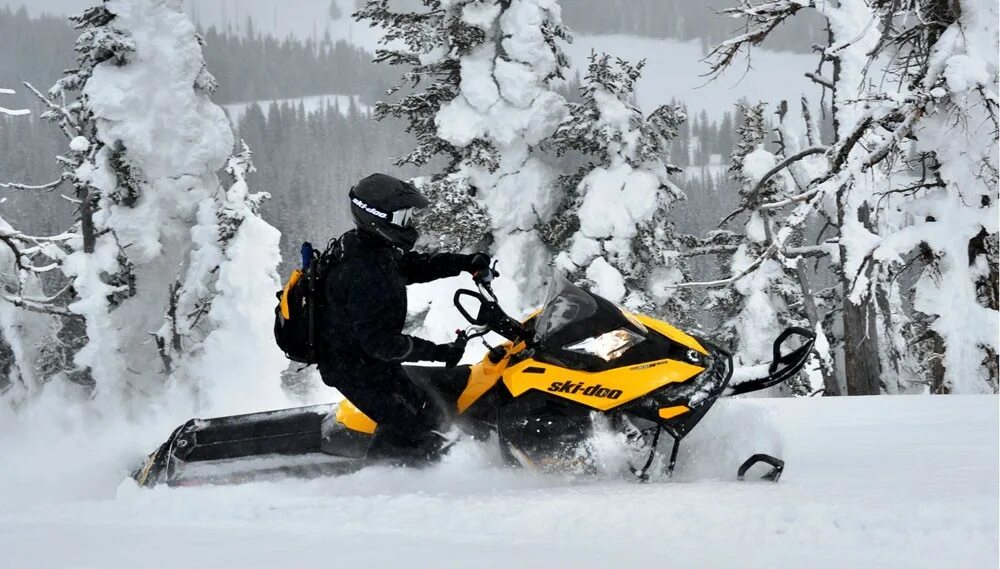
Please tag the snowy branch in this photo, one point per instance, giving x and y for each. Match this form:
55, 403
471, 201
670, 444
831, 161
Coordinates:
770, 173
788, 162
792, 200
49, 187
11, 112
767, 254
711, 250
32, 305
760, 21
68, 120
827, 83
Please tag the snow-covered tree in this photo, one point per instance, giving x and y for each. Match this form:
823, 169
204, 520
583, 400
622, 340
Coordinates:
454, 220
910, 180
624, 247
758, 306
15, 363
153, 260
483, 74
236, 366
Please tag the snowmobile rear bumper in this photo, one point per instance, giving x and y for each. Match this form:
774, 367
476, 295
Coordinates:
303, 442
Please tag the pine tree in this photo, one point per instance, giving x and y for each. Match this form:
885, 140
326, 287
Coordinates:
483, 97
625, 247
147, 257
762, 304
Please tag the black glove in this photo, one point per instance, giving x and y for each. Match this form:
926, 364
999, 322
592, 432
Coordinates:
477, 262
451, 353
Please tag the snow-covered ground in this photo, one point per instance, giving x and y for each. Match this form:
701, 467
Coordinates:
871, 482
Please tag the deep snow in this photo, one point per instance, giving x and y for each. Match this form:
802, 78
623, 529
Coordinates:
871, 482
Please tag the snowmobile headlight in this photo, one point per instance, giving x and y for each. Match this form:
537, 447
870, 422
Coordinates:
608, 346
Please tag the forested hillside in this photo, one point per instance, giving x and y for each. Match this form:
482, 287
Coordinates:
682, 20
248, 66
301, 158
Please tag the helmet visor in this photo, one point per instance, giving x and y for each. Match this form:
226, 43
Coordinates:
403, 217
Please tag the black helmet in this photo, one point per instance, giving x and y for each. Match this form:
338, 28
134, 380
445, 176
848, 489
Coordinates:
383, 206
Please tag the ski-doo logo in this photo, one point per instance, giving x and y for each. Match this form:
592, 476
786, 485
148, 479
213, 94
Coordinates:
369, 208
584, 389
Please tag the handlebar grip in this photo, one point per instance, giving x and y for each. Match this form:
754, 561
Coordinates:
461, 309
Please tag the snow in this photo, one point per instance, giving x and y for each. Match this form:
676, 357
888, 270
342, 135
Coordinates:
480, 14
870, 482
608, 282
757, 164
615, 200
239, 360
79, 144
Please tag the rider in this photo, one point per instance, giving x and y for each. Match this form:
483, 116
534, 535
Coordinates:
362, 344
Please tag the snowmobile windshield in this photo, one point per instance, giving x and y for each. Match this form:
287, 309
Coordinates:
565, 304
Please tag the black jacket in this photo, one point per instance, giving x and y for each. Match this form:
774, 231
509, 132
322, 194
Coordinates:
366, 303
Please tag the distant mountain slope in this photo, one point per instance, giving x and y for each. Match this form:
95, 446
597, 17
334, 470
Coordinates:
674, 71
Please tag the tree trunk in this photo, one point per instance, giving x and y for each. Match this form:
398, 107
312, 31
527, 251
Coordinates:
831, 387
861, 359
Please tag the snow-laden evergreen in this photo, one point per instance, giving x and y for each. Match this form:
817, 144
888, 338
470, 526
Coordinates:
24, 325
238, 366
624, 247
485, 73
758, 306
160, 239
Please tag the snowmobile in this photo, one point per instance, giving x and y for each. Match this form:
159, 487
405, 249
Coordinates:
578, 361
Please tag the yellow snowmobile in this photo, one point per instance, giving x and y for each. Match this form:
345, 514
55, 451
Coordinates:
539, 395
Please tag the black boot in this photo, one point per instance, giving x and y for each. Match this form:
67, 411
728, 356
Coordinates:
398, 449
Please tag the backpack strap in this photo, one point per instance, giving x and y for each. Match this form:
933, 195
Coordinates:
334, 251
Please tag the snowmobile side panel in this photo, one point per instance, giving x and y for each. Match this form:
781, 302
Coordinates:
485, 375
603, 390
442, 384
674, 334
351, 417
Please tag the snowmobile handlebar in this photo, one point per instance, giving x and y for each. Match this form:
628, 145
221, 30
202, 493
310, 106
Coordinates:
490, 317
484, 277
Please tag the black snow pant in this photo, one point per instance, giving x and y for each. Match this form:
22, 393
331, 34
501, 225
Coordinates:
409, 421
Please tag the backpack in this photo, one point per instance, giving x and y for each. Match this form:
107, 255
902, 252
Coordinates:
301, 301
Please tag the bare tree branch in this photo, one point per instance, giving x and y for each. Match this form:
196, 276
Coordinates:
828, 83
787, 162
767, 254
